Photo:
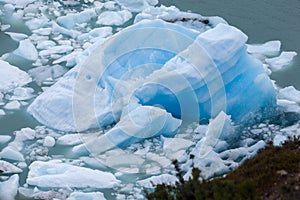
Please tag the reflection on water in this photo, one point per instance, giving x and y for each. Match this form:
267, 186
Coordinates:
261, 21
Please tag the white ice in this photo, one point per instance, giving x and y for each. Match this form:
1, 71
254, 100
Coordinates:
49, 141
55, 174
12, 77
278, 63
289, 93
16, 36
155, 180
115, 18
137, 5
270, 48
4, 139
26, 50
9, 188
8, 168
86, 196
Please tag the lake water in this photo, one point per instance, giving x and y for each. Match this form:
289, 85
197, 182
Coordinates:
261, 21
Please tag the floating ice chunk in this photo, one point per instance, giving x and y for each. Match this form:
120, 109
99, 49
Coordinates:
279, 140
12, 105
16, 36
43, 31
59, 29
2, 112
137, 5
37, 23
140, 123
160, 179
86, 196
49, 141
172, 145
19, 3
22, 93
9, 188
116, 18
12, 77
26, 50
4, 139
270, 48
70, 20
12, 154
281, 61
8, 168
4, 27
69, 140
56, 50
288, 106
289, 93
101, 32
45, 44
55, 174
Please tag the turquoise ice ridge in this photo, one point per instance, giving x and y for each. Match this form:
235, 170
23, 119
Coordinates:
153, 76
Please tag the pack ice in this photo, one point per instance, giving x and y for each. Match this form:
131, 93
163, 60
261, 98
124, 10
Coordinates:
157, 74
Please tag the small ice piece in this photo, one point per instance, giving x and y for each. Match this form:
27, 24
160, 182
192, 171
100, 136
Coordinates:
279, 140
69, 32
43, 31
9, 188
86, 196
69, 140
55, 174
12, 154
22, 93
155, 180
288, 106
16, 36
13, 105
101, 32
116, 18
137, 5
2, 112
49, 141
18, 3
278, 63
56, 50
4, 139
8, 168
12, 77
26, 50
45, 44
37, 23
289, 93
270, 48
4, 27
70, 20
173, 145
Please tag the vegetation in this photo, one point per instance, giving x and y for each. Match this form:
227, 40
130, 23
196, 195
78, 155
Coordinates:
274, 173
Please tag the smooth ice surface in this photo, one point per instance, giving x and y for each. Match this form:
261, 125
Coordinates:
231, 76
116, 18
26, 50
268, 49
55, 174
12, 77
86, 196
8, 168
278, 63
9, 188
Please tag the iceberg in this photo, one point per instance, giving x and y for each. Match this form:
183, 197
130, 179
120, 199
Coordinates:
175, 73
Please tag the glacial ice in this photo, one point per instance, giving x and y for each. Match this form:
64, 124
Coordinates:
278, 63
86, 196
26, 50
115, 18
230, 75
13, 77
9, 188
289, 93
8, 168
17, 36
55, 174
268, 49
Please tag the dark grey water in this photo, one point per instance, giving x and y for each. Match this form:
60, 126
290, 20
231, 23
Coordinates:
261, 20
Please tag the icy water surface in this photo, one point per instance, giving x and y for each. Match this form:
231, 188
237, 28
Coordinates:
262, 21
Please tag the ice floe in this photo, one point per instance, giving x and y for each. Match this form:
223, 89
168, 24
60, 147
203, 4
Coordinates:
278, 63
8, 168
55, 174
13, 77
9, 188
